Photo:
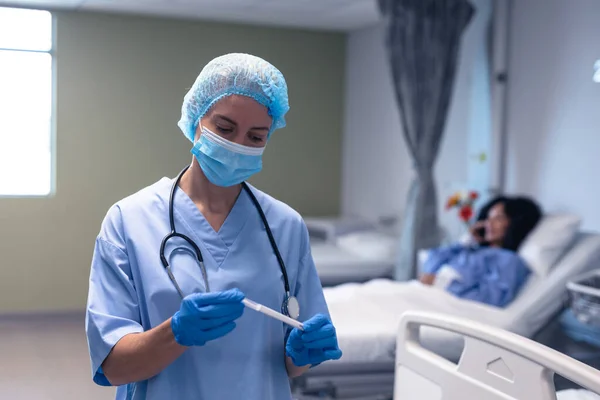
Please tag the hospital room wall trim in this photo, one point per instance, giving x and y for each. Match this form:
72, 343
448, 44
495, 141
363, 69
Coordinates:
120, 82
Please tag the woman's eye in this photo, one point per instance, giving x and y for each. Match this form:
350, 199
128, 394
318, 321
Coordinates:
224, 130
257, 139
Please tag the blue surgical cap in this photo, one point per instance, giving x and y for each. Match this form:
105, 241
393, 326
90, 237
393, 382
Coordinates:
241, 74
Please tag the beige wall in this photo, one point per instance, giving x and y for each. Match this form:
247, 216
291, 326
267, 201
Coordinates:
120, 84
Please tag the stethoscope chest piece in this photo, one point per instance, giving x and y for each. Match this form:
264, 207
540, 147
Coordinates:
291, 307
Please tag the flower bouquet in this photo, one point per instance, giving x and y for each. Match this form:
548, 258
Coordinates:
464, 203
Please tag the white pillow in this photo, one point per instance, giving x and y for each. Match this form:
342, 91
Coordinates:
329, 229
548, 241
369, 245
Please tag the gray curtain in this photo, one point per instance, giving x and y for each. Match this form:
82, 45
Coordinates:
422, 42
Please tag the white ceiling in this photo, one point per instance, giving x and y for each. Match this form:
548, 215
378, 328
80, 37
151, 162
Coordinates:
337, 15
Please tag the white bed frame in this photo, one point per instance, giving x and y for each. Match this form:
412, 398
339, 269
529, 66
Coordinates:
495, 364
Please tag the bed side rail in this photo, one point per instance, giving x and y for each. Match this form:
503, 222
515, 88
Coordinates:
495, 364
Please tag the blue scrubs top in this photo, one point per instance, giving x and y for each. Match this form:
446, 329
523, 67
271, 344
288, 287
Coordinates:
130, 291
488, 275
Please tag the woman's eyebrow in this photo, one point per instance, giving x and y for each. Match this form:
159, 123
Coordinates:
224, 118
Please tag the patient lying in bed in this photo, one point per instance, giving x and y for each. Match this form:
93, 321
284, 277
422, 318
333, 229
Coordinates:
488, 268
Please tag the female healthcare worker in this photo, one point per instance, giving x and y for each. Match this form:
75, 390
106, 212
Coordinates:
165, 318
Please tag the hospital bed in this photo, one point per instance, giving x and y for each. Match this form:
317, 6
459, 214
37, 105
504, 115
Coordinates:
351, 249
494, 364
367, 316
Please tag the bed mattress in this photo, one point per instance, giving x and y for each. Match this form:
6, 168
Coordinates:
367, 317
574, 394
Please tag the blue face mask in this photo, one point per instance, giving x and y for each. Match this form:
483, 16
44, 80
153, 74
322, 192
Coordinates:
226, 163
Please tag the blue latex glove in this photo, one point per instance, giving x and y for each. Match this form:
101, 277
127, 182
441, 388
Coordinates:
206, 316
316, 344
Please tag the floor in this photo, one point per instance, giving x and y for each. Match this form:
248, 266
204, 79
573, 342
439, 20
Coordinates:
46, 358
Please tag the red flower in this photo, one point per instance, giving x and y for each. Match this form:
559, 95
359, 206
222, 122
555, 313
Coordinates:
473, 195
466, 213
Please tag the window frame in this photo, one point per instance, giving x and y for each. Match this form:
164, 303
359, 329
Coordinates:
53, 106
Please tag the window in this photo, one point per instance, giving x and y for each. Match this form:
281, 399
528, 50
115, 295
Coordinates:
26, 140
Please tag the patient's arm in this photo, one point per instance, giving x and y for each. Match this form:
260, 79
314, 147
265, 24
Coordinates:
438, 257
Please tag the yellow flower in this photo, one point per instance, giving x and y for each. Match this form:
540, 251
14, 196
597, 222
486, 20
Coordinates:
453, 200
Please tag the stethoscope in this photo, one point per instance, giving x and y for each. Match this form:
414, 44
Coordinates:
290, 306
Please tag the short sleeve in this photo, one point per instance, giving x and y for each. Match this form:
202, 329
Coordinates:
112, 306
309, 290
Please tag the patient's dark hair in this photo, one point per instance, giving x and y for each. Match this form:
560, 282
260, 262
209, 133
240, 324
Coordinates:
523, 213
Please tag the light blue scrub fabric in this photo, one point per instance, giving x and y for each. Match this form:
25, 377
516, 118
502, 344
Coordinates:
131, 292
488, 275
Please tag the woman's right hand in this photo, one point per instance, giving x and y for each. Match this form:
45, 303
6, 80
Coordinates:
475, 230
427, 279
206, 316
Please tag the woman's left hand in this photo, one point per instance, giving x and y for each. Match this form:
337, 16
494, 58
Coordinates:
315, 344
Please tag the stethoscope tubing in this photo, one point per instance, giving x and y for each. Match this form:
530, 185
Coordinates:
197, 251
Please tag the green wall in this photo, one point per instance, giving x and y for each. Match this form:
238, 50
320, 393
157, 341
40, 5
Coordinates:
120, 82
